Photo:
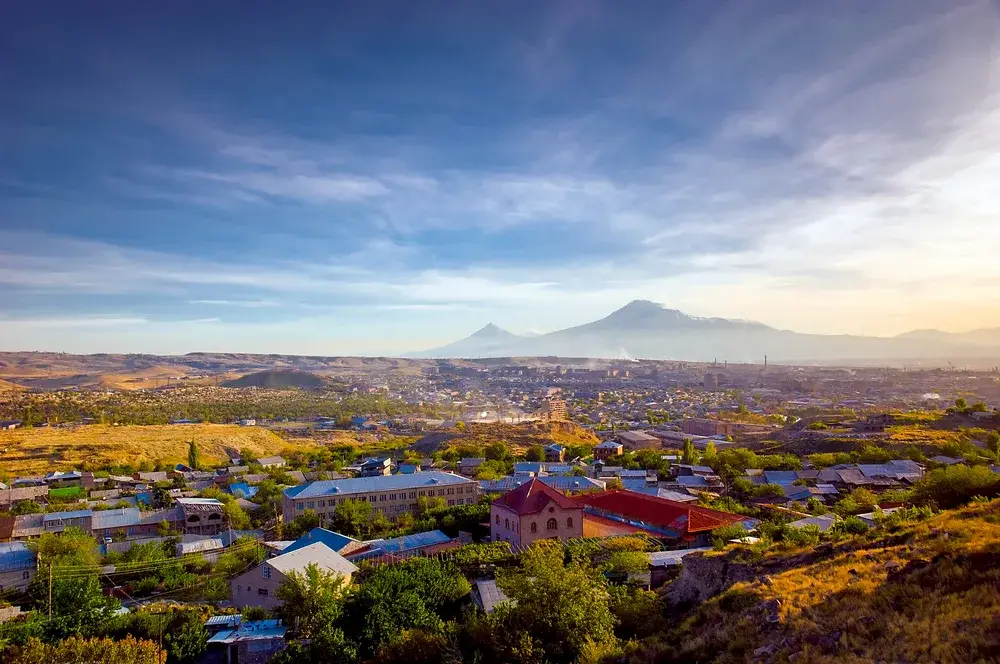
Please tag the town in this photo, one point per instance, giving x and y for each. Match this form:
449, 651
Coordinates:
472, 489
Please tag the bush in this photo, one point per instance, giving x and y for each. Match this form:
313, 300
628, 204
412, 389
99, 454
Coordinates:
852, 525
956, 485
804, 536
721, 536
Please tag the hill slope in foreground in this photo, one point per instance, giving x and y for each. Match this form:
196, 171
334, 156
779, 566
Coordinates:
40, 450
922, 592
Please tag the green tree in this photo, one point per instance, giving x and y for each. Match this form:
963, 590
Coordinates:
535, 453
993, 442
302, 524
194, 460
414, 594
187, 639
311, 600
26, 507
559, 607
496, 451
710, 453
689, 454
961, 404
353, 518
236, 516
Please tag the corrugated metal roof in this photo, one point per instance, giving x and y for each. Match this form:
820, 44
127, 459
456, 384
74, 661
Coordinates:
255, 630
560, 482
216, 621
200, 546
62, 516
335, 541
15, 556
318, 553
119, 518
487, 595
428, 480
671, 558
409, 542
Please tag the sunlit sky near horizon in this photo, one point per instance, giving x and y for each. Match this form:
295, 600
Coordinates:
376, 178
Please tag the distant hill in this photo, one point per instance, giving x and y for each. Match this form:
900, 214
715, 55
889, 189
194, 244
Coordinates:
7, 386
647, 330
279, 379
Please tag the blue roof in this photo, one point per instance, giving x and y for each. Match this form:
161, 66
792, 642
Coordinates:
527, 467
556, 447
58, 516
356, 485
408, 468
335, 541
16, 555
692, 480
247, 490
610, 445
407, 542
780, 476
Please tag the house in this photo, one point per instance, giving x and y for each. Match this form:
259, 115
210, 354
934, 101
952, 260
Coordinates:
56, 522
209, 548
9, 425
17, 566
608, 449
375, 467
120, 523
151, 478
487, 596
242, 489
532, 512
628, 512
251, 642
874, 423
391, 494
399, 547
469, 465
342, 544
555, 453
247, 423
13, 495
271, 462
259, 586
202, 516
638, 440
409, 468
563, 483
823, 522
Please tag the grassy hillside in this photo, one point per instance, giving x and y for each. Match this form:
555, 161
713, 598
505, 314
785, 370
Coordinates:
924, 592
6, 385
519, 437
39, 450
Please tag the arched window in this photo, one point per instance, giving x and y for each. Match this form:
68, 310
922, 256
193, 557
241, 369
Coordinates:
534, 527
551, 524
498, 519
569, 522
506, 524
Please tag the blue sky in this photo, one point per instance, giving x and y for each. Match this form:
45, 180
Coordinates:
339, 178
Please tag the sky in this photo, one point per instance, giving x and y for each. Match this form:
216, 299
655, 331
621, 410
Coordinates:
382, 177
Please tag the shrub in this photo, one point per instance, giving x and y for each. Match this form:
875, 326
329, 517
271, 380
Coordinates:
852, 525
804, 536
956, 485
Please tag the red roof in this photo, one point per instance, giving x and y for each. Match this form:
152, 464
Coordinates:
681, 518
532, 497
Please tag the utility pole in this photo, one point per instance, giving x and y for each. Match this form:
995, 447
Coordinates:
50, 590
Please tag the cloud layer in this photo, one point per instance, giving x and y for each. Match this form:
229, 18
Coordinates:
816, 168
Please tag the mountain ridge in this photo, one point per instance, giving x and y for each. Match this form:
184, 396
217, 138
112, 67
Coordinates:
648, 330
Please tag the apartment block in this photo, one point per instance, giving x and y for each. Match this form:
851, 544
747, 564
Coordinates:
392, 495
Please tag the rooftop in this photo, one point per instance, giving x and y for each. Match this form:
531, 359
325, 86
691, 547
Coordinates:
346, 487
323, 556
532, 497
681, 518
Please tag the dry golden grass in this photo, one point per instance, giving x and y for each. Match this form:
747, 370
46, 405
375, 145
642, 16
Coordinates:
7, 386
945, 613
35, 451
921, 434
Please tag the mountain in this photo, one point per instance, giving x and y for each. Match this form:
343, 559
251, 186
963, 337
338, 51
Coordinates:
647, 330
279, 379
489, 341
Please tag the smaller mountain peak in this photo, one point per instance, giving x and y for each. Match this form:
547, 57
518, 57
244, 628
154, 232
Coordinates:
491, 330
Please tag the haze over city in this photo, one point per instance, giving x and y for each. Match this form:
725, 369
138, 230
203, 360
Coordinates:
346, 179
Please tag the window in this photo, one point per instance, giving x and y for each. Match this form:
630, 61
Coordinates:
265, 572
440, 492
312, 505
239, 588
262, 592
25, 575
506, 524
451, 503
371, 499
392, 496
451, 492
551, 524
298, 506
534, 527
413, 494
382, 498
569, 522
322, 503
498, 519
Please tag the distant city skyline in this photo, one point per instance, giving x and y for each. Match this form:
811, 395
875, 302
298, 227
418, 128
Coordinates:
340, 179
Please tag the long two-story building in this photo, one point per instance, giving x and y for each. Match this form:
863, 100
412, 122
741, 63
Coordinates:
392, 495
